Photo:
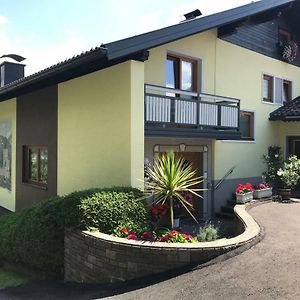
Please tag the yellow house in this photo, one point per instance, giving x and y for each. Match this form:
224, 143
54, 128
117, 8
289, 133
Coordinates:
204, 88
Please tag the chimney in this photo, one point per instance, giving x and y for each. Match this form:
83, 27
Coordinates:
11, 71
192, 15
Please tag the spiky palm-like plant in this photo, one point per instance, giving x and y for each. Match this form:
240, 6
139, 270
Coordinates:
169, 177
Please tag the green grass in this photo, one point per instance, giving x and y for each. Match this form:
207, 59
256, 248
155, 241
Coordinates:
13, 275
9, 278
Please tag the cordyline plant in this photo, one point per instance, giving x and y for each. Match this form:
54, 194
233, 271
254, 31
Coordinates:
169, 177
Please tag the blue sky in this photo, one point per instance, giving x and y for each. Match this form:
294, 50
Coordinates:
48, 31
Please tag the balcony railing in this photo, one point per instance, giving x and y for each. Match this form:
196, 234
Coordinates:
178, 110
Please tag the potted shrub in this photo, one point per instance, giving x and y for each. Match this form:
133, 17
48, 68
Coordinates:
170, 177
244, 193
289, 176
262, 190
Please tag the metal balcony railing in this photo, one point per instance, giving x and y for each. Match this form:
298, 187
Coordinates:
167, 107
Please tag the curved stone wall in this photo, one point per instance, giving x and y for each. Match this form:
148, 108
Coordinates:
94, 257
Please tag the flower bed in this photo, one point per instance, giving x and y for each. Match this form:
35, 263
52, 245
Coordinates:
94, 257
159, 235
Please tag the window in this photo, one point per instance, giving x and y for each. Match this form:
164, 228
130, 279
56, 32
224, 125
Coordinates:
276, 90
181, 73
35, 169
287, 90
247, 125
268, 88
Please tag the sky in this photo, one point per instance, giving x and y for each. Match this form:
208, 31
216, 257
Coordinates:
49, 31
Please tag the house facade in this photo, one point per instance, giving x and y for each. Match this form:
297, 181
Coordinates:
205, 88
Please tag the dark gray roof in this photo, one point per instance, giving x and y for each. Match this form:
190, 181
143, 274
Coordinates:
131, 48
290, 111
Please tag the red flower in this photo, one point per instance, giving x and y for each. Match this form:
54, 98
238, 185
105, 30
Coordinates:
154, 211
147, 236
132, 236
164, 238
187, 236
175, 231
124, 230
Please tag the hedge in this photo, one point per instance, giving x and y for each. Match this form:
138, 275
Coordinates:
34, 237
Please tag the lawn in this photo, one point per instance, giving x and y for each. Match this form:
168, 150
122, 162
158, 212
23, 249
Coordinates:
11, 275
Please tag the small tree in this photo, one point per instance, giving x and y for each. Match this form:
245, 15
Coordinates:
274, 161
169, 178
290, 173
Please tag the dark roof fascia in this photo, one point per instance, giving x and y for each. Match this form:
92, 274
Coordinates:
285, 119
73, 68
169, 34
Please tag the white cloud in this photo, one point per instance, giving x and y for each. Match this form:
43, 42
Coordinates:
3, 20
149, 22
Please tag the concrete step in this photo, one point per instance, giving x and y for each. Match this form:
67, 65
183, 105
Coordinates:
227, 209
231, 203
223, 215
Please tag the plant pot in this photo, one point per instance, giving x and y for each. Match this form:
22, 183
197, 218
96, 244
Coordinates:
176, 222
284, 193
264, 193
243, 198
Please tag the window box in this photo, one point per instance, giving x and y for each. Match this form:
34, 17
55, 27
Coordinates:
264, 193
244, 198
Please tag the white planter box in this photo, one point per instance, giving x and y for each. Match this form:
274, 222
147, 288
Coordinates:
243, 198
258, 194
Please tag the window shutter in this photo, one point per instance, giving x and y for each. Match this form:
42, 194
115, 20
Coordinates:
278, 91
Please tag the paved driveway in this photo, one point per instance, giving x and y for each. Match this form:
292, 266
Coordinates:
269, 270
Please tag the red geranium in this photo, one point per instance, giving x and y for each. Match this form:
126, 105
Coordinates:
124, 230
262, 186
159, 210
243, 189
132, 236
147, 236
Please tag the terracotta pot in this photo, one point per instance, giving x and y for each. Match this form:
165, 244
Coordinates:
284, 193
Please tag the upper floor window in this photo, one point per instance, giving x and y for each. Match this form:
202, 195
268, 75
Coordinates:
268, 88
276, 90
35, 165
181, 73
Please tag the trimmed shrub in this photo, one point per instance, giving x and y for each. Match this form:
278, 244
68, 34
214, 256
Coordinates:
34, 236
105, 211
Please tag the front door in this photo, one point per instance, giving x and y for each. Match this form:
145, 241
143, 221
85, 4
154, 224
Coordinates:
196, 161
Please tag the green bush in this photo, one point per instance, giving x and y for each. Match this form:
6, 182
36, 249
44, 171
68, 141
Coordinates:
34, 236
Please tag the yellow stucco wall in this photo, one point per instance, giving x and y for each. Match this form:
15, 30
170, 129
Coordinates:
100, 116
239, 74
233, 71
8, 113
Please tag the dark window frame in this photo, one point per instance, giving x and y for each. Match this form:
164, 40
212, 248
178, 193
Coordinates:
178, 77
270, 80
288, 83
27, 168
251, 114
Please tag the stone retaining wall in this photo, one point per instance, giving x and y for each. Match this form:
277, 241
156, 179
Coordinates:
94, 257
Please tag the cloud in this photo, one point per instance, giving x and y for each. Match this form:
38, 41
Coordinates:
149, 22
3, 20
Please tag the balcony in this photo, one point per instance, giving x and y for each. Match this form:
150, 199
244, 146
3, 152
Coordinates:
172, 112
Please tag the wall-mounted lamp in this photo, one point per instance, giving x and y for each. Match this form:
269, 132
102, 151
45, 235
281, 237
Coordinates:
182, 147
